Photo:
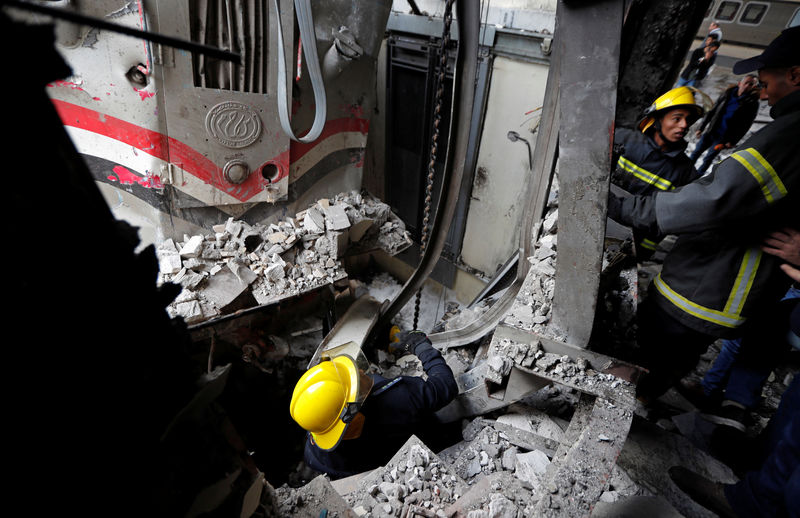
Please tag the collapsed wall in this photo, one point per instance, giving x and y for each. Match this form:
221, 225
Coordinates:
241, 264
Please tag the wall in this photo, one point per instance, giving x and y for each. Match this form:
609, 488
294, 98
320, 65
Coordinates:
493, 222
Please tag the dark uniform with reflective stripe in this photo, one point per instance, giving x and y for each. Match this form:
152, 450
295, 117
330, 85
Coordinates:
394, 410
643, 168
716, 276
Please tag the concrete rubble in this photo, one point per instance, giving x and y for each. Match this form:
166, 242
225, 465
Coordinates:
241, 265
532, 309
414, 482
499, 470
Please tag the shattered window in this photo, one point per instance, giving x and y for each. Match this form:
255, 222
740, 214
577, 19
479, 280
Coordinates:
727, 11
753, 13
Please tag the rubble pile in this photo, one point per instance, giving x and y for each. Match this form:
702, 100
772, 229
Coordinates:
433, 302
532, 309
506, 463
269, 262
414, 482
578, 373
457, 317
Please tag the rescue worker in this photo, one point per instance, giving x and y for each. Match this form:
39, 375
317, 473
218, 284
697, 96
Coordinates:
357, 421
716, 276
652, 158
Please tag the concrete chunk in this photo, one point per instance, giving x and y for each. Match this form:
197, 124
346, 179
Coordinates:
314, 221
531, 466
193, 247
190, 311
336, 218
169, 263
275, 272
276, 237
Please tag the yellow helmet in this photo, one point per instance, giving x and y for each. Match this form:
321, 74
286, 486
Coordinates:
681, 97
327, 397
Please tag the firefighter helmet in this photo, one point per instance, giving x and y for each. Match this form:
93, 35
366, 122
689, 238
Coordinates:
681, 97
328, 396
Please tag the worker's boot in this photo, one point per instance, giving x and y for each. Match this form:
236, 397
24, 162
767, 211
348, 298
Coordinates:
705, 492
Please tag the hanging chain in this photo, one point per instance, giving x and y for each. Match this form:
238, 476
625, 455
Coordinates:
437, 119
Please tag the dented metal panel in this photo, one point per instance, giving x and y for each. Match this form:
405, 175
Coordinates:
224, 137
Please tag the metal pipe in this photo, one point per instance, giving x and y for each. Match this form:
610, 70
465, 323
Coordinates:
70, 16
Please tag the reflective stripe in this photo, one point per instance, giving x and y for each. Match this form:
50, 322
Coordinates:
771, 185
744, 281
721, 318
644, 175
387, 386
648, 244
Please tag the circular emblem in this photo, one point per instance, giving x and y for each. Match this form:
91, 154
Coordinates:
233, 124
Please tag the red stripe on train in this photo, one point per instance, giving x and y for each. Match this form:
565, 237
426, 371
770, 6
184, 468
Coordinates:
190, 160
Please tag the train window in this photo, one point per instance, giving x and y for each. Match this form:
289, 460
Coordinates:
795, 21
726, 12
708, 11
753, 13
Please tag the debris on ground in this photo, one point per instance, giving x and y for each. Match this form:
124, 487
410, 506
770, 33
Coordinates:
414, 482
532, 309
315, 499
241, 265
384, 286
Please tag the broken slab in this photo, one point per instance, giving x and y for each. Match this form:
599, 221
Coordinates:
314, 221
193, 247
169, 262
224, 287
530, 467
336, 218
574, 481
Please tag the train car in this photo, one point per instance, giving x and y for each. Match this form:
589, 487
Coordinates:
751, 23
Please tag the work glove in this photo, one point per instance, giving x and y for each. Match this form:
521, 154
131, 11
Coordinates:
405, 342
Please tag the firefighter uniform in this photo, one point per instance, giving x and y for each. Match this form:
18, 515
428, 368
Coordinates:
643, 168
716, 275
394, 410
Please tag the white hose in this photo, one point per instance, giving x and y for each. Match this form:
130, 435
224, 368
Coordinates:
309, 39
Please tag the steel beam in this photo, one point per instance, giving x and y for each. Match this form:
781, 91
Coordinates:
590, 35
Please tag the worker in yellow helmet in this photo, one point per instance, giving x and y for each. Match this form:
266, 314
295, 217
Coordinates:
357, 420
651, 158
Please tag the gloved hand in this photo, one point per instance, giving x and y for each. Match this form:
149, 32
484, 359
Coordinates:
405, 342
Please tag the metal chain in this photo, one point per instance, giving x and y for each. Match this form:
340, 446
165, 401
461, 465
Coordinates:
437, 119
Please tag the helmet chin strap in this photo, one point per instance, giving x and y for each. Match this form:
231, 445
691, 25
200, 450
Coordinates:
667, 144
657, 127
